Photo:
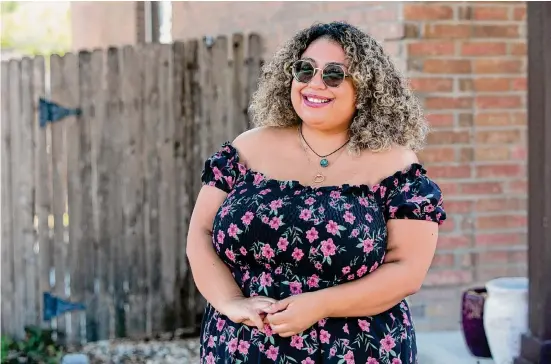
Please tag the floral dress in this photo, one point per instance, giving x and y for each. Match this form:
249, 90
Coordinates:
282, 238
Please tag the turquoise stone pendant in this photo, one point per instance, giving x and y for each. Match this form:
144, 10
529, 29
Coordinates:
324, 162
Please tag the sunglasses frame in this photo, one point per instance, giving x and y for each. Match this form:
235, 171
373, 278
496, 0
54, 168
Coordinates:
316, 69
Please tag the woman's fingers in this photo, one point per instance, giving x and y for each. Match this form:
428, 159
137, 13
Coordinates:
256, 320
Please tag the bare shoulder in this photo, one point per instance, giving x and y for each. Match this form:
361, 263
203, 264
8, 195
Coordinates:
256, 141
395, 159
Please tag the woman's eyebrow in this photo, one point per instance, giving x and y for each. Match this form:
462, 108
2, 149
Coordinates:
331, 62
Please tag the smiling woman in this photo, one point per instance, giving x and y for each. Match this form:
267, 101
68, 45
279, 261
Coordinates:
320, 221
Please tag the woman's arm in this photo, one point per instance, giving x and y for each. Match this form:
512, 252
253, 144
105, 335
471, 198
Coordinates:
411, 247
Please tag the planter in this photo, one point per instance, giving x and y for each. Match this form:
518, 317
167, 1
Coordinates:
472, 322
506, 317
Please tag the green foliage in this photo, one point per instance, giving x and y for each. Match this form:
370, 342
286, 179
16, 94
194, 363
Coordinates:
7, 7
38, 347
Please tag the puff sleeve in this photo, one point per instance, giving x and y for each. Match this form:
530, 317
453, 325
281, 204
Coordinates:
221, 170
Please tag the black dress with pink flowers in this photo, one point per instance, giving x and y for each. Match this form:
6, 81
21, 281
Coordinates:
282, 238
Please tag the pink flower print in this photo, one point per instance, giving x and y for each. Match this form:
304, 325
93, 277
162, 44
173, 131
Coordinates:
350, 277
364, 201
332, 352
230, 181
355, 233
247, 218
332, 227
261, 347
371, 360
335, 194
265, 219
307, 361
418, 173
396, 361
429, 208
324, 336
220, 237
349, 357
403, 335
297, 254
278, 270
244, 347
220, 324
297, 342
392, 211
375, 266
295, 287
268, 330
309, 201
417, 211
318, 265
211, 341
243, 251
313, 281
282, 244
225, 211
349, 217
382, 191
267, 252
328, 248
230, 255
305, 214
222, 339
388, 343
347, 206
313, 334
246, 276
217, 173
276, 204
266, 279
242, 168
405, 188
362, 271
417, 199
275, 222
345, 328
232, 345
211, 359
368, 245
265, 191
312, 235
346, 270
233, 230
272, 352
316, 221
321, 323
321, 209
364, 325
405, 319
258, 178
368, 217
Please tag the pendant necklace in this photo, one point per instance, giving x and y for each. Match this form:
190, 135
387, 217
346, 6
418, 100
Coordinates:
324, 163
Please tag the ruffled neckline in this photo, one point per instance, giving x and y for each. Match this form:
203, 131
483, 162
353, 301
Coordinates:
411, 172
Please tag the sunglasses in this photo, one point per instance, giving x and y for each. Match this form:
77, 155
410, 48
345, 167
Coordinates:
332, 74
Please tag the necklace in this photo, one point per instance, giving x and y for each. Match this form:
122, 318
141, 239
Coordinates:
324, 163
319, 177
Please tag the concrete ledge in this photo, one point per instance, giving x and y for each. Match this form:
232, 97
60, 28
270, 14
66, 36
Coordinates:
445, 347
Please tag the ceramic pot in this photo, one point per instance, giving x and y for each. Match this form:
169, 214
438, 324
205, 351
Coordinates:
506, 317
472, 322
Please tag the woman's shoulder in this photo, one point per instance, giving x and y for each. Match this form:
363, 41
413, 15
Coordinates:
391, 161
257, 141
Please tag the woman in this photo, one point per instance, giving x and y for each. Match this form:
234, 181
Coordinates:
312, 228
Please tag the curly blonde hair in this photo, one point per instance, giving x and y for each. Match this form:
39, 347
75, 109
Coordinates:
387, 111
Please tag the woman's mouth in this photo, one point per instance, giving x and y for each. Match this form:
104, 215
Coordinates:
316, 101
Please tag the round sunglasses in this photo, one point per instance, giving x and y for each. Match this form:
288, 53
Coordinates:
332, 74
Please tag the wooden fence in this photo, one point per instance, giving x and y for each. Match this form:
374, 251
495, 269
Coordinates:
95, 207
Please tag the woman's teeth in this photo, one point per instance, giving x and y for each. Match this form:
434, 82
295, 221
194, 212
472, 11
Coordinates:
317, 101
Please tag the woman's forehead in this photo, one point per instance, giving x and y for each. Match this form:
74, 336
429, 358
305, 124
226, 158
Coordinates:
324, 51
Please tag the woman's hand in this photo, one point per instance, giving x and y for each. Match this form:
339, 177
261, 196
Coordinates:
249, 311
294, 314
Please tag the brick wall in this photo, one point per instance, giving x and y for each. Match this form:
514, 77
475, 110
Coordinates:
467, 62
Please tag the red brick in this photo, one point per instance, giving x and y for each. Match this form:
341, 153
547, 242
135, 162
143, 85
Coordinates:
448, 277
500, 204
493, 119
448, 188
519, 13
518, 49
437, 103
448, 137
466, 120
498, 136
486, 84
432, 84
496, 31
518, 118
448, 226
499, 102
447, 66
490, 13
499, 170
443, 260
447, 31
427, 11
453, 241
483, 49
520, 186
459, 207
519, 152
500, 222
519, 84
493, 153
466, 155
481, 188
492, 257
484, 273
450, 171
431, 48
436, 155
496, 66
483, 239
440, 120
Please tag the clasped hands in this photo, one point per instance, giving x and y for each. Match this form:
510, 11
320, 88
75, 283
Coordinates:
286, 317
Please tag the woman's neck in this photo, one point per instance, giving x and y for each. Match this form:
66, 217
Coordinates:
324, 141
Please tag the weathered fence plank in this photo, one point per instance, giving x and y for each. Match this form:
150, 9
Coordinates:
133, 190
254, 65
9, 322
238, 82
220, 71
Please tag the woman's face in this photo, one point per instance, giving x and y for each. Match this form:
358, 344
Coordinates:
337, 106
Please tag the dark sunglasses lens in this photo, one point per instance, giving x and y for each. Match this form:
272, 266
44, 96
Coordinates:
333, 75
303, 71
